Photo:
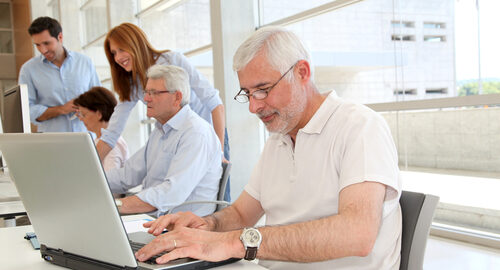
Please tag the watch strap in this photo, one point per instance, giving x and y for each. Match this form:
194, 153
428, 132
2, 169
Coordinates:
250, 253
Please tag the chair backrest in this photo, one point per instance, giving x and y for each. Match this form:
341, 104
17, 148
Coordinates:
226, 168
417, 210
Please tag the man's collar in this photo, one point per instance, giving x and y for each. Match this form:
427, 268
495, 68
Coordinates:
177, 121
321, 116
43, 59
69, 54
317, 121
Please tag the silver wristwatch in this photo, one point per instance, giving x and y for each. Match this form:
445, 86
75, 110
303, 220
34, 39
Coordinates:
251, 239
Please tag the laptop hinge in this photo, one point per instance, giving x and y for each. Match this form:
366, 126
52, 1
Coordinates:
69, 260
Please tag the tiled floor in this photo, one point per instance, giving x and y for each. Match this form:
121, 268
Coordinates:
448, 254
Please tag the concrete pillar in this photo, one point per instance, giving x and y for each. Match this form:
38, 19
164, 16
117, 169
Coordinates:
232, 22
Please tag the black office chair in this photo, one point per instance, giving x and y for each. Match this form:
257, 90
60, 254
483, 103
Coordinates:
417, 210
221, 204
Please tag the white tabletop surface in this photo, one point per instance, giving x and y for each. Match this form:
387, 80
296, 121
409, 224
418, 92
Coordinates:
10, 202
8, 208
8, 191
17, 253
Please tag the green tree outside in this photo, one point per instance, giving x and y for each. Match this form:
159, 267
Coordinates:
472, 88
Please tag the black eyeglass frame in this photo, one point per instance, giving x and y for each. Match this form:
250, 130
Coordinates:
245, 97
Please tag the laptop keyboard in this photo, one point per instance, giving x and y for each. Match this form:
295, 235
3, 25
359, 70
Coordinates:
136, 246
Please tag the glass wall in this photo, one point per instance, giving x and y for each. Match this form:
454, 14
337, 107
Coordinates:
368, 54
271, 11
477, 43
54, 9
94, 19
383, 51
184, 27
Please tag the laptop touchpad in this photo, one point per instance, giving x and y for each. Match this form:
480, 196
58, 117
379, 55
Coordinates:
141, 237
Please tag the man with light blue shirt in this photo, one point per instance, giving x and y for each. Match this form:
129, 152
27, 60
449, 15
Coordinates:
55, 78
181, 160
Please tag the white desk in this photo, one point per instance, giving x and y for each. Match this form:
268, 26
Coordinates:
9, 211
8, 191
17, 253
10, 202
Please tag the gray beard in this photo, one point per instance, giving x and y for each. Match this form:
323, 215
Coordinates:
290, 112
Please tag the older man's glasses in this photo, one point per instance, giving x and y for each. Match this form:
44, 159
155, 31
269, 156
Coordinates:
154, 93
243, 97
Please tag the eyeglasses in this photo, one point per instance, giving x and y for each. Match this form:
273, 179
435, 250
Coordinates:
79, 114
259, 94
154, 93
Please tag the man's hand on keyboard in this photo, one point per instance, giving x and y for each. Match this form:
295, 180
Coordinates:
177, 220
184, 242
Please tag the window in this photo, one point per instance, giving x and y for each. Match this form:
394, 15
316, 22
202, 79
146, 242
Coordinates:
476, 44
403, 37
445, 145
272, 10
401, 24
184, 27
121, 11
54, 9
434, 25
144, 4
454, 147
96, 52
6, 42
405, 92
5, 20
434, 38
95, 19
6, 84
436, 91
204, 64
5, 29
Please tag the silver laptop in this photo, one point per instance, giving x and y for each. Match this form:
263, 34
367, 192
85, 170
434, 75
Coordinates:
67, 197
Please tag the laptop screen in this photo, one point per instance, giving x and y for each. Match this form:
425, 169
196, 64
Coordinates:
64, 190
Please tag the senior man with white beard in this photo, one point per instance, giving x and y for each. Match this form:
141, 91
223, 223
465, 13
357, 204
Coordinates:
327, 180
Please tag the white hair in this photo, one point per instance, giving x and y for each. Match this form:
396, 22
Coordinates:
175, 79
282, 49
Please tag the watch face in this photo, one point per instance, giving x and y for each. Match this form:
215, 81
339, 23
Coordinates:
251, 237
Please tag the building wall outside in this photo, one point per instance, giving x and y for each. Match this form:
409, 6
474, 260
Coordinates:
366, 27
462, 139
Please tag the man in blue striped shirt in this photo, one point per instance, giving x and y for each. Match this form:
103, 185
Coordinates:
55, 78
181, 160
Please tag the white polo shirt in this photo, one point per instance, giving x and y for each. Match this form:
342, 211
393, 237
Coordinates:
343, 144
